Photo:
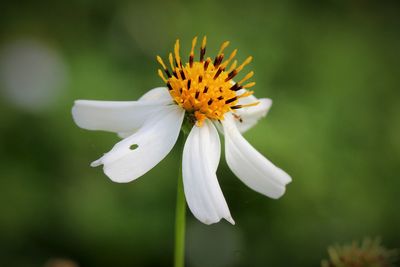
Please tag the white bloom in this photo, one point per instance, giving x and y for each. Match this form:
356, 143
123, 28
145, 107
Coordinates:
203, 94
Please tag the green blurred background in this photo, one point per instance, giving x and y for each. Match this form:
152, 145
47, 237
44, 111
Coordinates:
331, 67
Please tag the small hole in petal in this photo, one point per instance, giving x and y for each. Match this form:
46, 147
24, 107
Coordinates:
133, 147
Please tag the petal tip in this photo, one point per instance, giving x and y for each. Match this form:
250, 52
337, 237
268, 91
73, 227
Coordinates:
266, 104
96, 163
77, 115
230, 220
118, 177
285, 178
277, 195
73, 111
267, 101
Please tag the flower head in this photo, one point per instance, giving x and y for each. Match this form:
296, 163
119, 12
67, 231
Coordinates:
205, 88
204, 94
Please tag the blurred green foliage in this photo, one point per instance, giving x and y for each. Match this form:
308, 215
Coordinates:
332, 69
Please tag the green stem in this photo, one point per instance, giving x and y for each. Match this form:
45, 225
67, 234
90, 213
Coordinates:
180, 218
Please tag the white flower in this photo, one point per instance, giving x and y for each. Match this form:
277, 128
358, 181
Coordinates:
202, 93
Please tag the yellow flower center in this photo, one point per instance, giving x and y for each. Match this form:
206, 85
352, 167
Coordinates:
205, 88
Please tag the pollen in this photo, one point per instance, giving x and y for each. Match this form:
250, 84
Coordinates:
205, 88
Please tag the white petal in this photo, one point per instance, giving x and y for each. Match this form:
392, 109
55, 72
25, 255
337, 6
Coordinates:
119, 116
158, 93
125, 134
153, 142
250, 166
200, 162
250, 115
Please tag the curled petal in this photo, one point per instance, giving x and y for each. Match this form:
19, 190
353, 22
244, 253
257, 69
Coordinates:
250, 166
201, 156
119, 116
249, 116
140, 152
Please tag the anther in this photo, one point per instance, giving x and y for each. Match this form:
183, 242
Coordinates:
236, 87
164, 67
188, 84
205, 90
200, 79
231, 75
183, 75
220, 97
167, 72
191, 57
230, 100
169, 86
218, 60
206, 64
203, 49
197, 94
210, 102
236, 107
218, 73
